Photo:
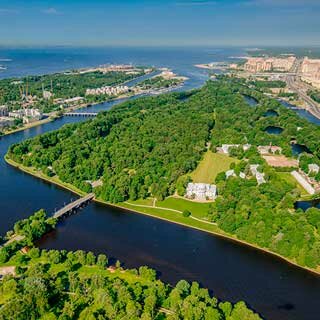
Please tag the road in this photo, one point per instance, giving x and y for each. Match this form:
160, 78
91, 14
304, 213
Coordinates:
295, 84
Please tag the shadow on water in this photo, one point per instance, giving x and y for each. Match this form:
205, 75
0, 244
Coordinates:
273, 130
299, 148
271, 113
252, 102
306, 204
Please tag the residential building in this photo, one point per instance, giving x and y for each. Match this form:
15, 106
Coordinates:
225, 148
313, 168
242, 175
303, 182
310, 71
263, 150
230, 173
27, 115
4, 111
6, 122
257, 174
107, 90
46, 94
263, 64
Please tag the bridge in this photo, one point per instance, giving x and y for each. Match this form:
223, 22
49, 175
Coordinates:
73, 206
81, 114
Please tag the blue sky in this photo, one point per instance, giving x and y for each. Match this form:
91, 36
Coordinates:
162, 22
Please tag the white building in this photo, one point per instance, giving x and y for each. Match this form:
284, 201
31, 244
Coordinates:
313, 168
6, 122
201, 191
46, 94
107, 90
4, 111
258, 175
303, 182
242, 175
225, 148
264, 150
230, 173
27, 115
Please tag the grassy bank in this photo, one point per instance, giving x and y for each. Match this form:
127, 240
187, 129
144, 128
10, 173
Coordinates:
146, 207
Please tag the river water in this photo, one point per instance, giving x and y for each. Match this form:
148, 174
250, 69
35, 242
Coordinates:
233, 272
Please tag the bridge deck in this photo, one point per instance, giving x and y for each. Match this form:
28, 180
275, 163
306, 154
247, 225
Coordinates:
81, 114
73, 205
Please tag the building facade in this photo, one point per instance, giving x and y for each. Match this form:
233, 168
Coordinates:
201, 191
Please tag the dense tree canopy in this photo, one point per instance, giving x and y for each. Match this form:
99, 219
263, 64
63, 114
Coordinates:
73, 285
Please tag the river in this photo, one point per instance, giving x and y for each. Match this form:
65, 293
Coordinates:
233, 272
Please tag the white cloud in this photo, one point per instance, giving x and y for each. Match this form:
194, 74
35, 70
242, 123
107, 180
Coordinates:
196, 3
4, 11
283, 3
52, 11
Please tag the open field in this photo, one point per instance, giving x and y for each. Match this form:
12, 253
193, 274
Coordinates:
210, 166
198, 210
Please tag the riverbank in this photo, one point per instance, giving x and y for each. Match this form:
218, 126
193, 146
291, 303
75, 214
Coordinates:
162, 214
30, 125
55, 115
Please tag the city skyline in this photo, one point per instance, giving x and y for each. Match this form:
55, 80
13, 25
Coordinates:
150, 23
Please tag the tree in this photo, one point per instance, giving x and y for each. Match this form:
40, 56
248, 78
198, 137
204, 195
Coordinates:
34, 253
147, 273
102, 261
183, 287
90, 258
186, 213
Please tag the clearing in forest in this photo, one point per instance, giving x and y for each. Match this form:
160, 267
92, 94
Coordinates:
210, 166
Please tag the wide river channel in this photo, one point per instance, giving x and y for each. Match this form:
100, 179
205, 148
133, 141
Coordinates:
231, 271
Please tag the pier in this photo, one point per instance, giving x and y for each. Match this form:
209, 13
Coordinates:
73, 206
81, 114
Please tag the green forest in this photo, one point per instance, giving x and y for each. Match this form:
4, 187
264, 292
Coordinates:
159, 82
63, 85
146, 147
52, 284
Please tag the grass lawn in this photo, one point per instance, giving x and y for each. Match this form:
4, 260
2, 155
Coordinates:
175, 217
210, 166
290, 179
144, 202
198, 210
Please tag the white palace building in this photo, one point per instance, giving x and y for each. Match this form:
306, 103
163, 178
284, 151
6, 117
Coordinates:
201, 191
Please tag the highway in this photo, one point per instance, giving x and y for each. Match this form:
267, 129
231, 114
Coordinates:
295, 84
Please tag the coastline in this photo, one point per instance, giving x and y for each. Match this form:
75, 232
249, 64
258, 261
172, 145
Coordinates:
220, 234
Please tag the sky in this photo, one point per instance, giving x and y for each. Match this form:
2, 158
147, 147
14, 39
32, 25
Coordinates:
162, 22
